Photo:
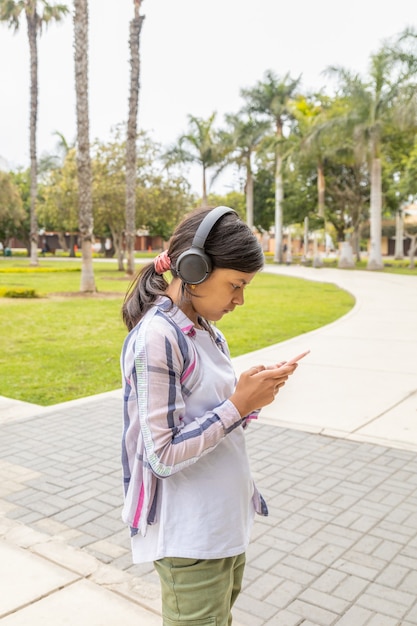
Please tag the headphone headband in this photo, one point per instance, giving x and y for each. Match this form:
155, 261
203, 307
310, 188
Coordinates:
207, 224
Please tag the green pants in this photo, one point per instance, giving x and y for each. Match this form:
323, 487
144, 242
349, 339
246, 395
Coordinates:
199, 592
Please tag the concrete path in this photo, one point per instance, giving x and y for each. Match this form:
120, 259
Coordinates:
360, 380
334, 457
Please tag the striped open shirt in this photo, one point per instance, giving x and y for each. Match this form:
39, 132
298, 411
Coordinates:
160, 371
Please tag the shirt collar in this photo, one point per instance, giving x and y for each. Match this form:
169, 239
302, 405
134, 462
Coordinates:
177, 315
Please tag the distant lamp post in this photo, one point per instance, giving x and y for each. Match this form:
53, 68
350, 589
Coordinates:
399, 234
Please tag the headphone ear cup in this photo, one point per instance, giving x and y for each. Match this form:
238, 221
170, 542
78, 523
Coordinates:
193, 266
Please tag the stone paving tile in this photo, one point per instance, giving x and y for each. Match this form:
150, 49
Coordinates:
325, 600
317, 614
355, 616
286, 619
351, 588
339, 545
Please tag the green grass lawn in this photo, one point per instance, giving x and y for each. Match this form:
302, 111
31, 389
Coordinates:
61, 347
60, 276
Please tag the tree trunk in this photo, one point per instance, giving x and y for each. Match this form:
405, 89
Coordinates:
62, 241
249, 198
412, 250
288, 256
375, 255
134, 44
321, 189
85, 202
117, 238
317, 260
279, 195
399, 235
32, 27
355, 241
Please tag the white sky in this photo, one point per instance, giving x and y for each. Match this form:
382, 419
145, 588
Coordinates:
195, 57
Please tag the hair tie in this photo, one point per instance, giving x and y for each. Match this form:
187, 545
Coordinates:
162, 262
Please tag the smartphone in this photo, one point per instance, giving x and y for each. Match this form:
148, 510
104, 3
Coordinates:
296, 358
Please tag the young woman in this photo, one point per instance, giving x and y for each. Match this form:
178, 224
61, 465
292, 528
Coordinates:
189, 496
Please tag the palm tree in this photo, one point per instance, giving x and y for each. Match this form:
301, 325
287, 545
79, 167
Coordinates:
241, 140
371, 108
271, 98
320, 142
62, 147
309, 144
134, 43
10, 12
314, 139
379, 96
199, 145
85, 201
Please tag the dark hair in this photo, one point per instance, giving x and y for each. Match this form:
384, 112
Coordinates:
230, 245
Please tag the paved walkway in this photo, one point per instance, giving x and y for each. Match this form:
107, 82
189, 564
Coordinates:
334, 457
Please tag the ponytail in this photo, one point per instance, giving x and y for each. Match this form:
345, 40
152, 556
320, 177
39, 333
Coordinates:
142, 293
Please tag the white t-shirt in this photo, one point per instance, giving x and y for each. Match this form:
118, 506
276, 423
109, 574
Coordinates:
204, 511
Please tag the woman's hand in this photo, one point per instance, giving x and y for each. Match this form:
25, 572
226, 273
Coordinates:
259, 385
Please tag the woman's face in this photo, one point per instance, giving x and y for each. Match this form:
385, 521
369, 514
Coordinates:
218, 295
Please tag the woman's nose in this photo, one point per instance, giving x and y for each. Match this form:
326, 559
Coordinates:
238, 298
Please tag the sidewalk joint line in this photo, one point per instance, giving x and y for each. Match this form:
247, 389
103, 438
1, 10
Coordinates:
373, 419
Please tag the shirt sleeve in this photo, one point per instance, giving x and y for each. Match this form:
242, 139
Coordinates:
162, 360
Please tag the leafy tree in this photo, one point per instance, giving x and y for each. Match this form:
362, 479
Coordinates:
10, 12
264, 199
372, 105
398, 178
300, 193
58, 207
109, 193
85, 201
134, 44
159, 202
12, 214
408, 182
163, 203
234, 199
347, 198
326, 144
21, 180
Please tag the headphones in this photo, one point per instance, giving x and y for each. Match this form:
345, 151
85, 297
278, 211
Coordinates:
194, 265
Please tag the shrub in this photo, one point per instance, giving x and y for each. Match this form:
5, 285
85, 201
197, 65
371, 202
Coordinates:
37, 270
17, 292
